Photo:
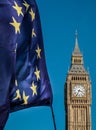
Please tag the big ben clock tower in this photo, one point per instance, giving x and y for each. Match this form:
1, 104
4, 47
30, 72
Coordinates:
78, 93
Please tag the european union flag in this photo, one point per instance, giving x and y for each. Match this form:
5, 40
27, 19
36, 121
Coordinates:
24, 80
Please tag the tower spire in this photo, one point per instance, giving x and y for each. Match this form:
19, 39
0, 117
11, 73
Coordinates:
76, 51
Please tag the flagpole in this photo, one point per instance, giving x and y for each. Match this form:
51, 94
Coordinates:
53, 117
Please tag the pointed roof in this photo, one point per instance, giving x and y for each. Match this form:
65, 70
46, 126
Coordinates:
76, 51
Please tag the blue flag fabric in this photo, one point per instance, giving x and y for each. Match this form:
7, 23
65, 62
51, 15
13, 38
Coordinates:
24, 80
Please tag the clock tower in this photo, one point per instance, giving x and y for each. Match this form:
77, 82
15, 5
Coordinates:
78, 93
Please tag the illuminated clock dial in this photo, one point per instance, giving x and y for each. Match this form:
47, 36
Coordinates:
79, 91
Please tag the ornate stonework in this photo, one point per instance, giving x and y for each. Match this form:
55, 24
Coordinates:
78, 93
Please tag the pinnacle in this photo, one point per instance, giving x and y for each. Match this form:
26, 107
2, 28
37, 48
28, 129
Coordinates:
76, 49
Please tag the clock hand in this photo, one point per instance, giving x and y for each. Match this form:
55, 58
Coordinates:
77, 93
81, 91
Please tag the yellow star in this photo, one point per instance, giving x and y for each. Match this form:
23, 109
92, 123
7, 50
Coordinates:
18, 9
34, 88
38, 52
25, 98
32, 14
18, 96
16, 25
16, 83
26, 5
37, 73
33, 33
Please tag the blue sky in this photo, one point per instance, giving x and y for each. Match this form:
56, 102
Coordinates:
59, 21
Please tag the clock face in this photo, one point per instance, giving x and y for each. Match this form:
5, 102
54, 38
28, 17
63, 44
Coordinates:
79, 91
